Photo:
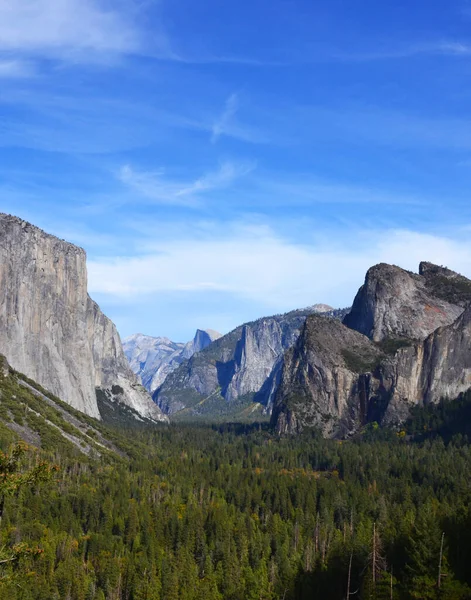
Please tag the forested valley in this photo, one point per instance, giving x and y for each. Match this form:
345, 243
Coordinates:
234, 512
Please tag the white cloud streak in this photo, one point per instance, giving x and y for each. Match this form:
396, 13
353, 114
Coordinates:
255, 264
154, 186
67, 29
437, 48
221, 125
380, 126
303, 189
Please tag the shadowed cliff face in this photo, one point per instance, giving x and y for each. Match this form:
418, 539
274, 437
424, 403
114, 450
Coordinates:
244, 364
438, 367
320, 384
418, 350
235, 365
52, 331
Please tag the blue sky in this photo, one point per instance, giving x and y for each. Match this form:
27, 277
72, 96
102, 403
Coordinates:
220, 160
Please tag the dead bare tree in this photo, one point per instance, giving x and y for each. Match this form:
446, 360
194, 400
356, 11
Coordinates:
349, 579
439, 581
376, 559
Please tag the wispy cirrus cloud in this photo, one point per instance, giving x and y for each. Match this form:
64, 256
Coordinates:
155, 186
375, 125
408, 50
224, 176
454, 48
226, 124
304, 189
222, 122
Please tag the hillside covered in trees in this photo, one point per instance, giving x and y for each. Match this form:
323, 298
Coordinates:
236, 513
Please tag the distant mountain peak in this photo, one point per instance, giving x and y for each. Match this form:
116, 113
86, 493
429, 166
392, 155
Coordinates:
213, 334
142, 338
322, 308
154, 358
202, 339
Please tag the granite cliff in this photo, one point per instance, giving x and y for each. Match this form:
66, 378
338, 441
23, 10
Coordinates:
406, 342
396, 303
320, 384
52, 331
425, 372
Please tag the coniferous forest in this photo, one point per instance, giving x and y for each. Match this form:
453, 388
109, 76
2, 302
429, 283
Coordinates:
234, 512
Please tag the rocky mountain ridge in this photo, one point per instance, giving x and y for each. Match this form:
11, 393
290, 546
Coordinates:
237, 374
52, 331
417, 350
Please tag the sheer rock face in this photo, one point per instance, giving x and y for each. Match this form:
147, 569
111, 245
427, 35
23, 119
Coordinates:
52, 331
337, 379
438, 367
154, 358
320, 384
394, 303
255, 356
246, 361
202, 339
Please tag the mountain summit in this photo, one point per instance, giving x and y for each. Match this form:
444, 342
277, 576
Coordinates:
397, 303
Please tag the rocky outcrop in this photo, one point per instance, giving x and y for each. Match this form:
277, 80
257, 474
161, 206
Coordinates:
337, 379
321, 384
322, 308
4, 367
446, 284
153, 358
394, 303
52, 331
